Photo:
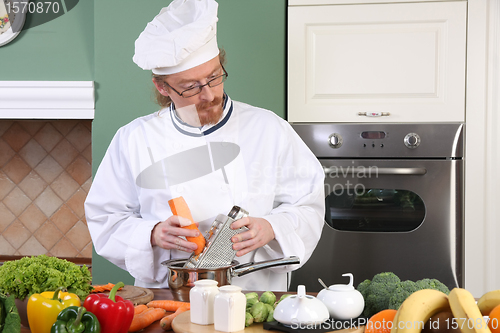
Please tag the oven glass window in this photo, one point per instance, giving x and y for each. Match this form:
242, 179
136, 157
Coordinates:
381, 210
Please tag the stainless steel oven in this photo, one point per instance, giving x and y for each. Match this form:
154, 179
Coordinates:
394, 202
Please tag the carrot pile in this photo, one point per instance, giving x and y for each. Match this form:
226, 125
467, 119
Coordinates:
180, 208
166, 322
103, 287
140, 308
147, 314
168, 305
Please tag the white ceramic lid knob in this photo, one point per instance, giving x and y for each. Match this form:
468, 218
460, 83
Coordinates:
301, 290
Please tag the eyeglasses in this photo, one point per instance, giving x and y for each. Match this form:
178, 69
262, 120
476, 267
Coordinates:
196, 90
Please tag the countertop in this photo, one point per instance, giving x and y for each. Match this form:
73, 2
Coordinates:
166, 294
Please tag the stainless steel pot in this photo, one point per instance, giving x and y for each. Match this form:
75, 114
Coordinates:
181, 280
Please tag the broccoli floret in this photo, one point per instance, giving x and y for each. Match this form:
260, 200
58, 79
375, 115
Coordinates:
423, 284
402, 291
386, 277
369, 309
379, 293
433, 284
406, 288
387, 291
363, 287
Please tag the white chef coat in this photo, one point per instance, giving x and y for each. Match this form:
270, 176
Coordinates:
251, 158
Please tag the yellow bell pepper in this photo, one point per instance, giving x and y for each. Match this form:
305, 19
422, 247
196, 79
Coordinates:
43, 308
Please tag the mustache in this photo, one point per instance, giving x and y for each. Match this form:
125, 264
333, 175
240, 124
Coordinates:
206, 105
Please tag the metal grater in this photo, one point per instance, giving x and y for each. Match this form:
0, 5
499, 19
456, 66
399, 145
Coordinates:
218, 251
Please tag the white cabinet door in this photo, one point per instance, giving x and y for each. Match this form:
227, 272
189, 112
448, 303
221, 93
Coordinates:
406, 60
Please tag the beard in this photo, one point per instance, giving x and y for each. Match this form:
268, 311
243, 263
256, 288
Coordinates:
210, 113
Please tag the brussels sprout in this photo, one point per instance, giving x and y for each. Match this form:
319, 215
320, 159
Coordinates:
259, 312
250, 303
270, 308
283, 297
268, 297
248, 319
252, 295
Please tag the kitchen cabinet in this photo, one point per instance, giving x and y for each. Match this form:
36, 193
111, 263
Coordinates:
404, 62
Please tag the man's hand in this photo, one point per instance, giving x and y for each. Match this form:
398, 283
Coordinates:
259, 234
166, 235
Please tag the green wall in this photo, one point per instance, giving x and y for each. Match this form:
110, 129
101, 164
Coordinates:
253, 35
95, 42
58, 50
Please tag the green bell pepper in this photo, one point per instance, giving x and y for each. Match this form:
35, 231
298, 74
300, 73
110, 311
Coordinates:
76, 319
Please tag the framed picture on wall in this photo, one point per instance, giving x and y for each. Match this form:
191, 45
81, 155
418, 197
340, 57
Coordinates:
12, 18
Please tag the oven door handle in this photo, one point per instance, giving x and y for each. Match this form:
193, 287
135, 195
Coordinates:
372, 170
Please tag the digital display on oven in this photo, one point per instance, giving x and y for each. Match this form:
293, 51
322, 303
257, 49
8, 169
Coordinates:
373, 135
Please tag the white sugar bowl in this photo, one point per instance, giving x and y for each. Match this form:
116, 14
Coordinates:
301, 309
343, 300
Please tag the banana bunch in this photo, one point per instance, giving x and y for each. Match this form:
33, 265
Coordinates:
417, 309
466, 312
423, 304
488, 301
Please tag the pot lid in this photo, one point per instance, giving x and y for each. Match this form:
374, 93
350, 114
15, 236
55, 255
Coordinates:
301, 308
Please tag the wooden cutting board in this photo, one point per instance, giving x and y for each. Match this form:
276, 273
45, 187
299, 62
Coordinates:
136, 295
182, 324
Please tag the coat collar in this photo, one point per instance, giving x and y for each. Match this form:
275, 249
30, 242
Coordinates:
187, 129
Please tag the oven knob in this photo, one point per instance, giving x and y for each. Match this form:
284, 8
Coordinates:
412, 140
335, 140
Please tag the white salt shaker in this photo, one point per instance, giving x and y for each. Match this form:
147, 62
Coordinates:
201, 297
229, 309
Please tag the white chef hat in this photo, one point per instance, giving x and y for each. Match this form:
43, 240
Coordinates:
181, 37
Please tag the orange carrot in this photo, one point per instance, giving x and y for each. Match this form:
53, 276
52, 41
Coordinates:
166, 322
102, 288
168, 305
146, 318
179, 207
140, 308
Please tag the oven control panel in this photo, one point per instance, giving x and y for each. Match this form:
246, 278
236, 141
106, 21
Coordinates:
411, 140
383, 140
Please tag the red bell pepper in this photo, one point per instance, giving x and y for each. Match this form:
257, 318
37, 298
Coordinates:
113, 312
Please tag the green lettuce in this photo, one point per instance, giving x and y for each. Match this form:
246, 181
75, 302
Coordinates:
10, 322
32, 275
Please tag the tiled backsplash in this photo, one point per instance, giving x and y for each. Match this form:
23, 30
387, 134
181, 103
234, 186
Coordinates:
45, 175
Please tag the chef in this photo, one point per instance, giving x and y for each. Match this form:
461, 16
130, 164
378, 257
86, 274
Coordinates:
212, 151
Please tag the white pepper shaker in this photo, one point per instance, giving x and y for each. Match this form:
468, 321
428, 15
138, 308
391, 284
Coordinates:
201, 297
229, 309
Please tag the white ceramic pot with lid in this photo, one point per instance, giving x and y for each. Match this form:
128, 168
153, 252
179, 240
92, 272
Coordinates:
301, 309
202, 297
229, 309
343, 300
